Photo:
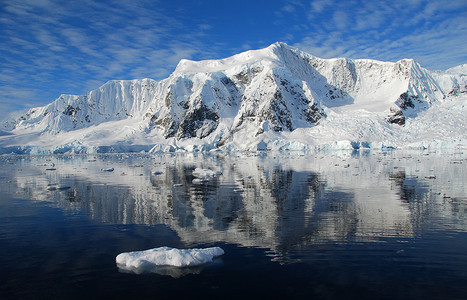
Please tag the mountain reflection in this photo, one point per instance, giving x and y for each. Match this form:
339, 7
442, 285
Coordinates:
279, 203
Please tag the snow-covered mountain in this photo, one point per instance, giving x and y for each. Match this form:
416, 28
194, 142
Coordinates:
274, 98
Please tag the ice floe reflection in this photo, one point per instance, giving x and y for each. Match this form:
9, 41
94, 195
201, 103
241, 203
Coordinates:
278, 202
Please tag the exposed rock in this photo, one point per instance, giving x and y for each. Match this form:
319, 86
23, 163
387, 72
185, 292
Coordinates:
197, 123
405, 101
396, 117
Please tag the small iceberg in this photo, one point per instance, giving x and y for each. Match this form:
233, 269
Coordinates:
200, 181
203, 176
55, 187
203, 173
165, 258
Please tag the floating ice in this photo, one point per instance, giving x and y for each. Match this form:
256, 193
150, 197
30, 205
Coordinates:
200, 181
54, 187
148, 260
203, 173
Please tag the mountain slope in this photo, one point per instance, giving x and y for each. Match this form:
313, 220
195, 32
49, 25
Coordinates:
260, 99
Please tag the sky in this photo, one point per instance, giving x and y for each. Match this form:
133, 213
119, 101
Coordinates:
53, 47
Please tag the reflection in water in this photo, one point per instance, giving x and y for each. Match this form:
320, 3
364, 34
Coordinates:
277, 202
174, 272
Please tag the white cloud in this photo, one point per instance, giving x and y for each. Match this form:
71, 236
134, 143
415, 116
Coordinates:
319, 5
432, 32
289, 8
73, 47
341, 20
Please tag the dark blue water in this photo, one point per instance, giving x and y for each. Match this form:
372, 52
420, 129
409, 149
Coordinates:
347, 225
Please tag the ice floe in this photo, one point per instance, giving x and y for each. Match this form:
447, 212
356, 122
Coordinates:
166, 260
204, 173
54, 187
203, 176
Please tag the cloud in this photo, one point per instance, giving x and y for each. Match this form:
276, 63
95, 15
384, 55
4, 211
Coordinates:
319, 5
432, 32
65, 46
288, 8
341, 20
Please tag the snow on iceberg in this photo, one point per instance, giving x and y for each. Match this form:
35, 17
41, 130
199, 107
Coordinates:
149, 260
205, 173
54, 187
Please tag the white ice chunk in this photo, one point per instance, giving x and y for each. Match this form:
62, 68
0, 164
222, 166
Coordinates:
203, 173
200, 181
54, 187
140, 261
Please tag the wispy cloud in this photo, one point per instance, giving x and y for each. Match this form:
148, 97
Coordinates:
427, 31
76, 46
318, 6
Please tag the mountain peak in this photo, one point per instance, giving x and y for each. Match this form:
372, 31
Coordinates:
269, 54
458, 70
279, 45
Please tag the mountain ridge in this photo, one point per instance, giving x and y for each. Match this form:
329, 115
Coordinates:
252, 100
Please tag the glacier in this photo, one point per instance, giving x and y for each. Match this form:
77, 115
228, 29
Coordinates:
274, 99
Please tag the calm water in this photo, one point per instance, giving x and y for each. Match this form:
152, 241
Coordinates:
338, 225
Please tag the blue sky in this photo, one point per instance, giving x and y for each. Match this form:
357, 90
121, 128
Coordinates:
50, 47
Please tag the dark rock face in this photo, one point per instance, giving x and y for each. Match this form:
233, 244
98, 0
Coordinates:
277, 113
280, 104
197, 123
166, 123
458, 90
314, 114
72, 111
396, 117
405, 101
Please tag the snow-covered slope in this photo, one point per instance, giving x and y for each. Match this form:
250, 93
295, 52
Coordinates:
115, 100
273, 98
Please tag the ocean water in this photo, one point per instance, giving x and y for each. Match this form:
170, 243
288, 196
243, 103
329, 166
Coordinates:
330, 225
